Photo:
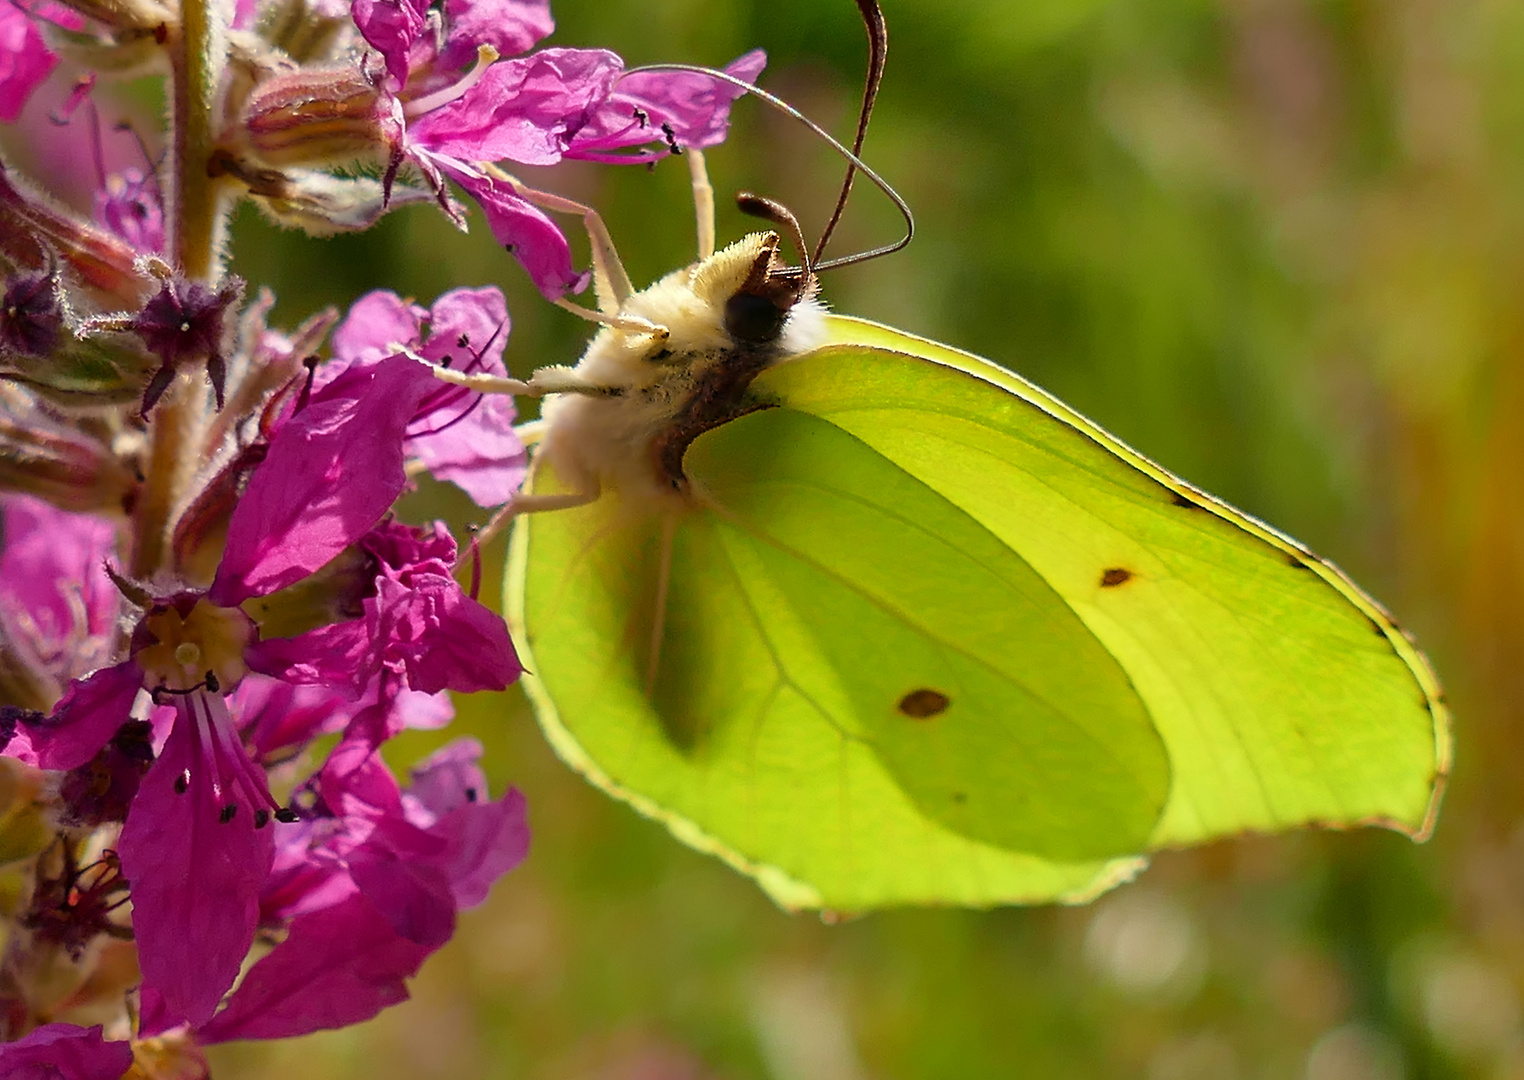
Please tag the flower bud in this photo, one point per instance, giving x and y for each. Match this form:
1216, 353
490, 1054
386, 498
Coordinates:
32, 229
315, 202
38, 347
138, 18
324, 117
43, 455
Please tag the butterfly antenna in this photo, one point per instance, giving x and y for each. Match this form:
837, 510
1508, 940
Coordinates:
855, 163
778, 215
878, 50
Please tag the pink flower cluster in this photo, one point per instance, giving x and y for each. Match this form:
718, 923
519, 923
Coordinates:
194, 704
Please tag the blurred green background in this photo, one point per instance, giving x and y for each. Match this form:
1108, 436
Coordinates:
1276, 245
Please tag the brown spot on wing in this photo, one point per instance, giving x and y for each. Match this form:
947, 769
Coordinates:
1114, 576
923, 704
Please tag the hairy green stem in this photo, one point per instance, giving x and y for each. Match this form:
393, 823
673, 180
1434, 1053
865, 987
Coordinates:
198, 54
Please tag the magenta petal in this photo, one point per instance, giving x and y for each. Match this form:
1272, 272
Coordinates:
524, 230
521, 110
448, 778
195, 879
391, 27
280, 716
414, 896
333, 470
64, 1052
696, 107
336, 967
443, 638
52, 570
479, 317
376, 324
339, 654
25, 60
509, 26
480, 454
467, 438
91, 711
482, 843
649, 106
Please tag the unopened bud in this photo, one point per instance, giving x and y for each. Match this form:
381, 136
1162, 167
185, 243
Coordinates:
133, 21
41, 454
40, 348
308, 118
33, 231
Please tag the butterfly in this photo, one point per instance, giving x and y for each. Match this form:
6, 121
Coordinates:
878, 622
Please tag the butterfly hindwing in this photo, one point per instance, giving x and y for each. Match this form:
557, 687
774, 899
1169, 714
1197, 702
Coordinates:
779, 725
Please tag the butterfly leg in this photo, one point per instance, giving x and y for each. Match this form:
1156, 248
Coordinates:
548, 380
703, 201
610, 282
530, 504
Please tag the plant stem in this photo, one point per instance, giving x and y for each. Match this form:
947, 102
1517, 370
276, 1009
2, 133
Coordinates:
198, 54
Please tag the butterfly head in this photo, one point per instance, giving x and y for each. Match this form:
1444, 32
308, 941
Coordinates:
744, 297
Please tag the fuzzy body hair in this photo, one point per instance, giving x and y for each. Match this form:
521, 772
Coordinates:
662, 393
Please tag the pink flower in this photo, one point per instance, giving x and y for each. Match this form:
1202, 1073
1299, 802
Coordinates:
533, 110
25, 60
366, 886
57, 606
460, 436
196, 846
130, 205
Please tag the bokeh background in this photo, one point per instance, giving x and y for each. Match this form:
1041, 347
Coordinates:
1278, 245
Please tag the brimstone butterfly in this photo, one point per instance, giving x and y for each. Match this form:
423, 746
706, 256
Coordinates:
879, 622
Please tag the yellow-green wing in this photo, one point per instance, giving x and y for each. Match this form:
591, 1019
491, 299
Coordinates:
927, 633
1285, 695
834, 678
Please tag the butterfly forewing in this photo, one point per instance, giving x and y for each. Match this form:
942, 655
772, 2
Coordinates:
1285, 696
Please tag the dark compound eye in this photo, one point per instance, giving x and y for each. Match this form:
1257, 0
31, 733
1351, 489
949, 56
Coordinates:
753, 319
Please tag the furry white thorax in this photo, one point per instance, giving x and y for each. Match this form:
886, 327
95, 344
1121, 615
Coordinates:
604, 443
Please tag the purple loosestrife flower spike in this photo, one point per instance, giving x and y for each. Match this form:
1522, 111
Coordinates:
196, 844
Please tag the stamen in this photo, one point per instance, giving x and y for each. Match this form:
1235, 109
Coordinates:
248, 778
486, 56
205, 744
